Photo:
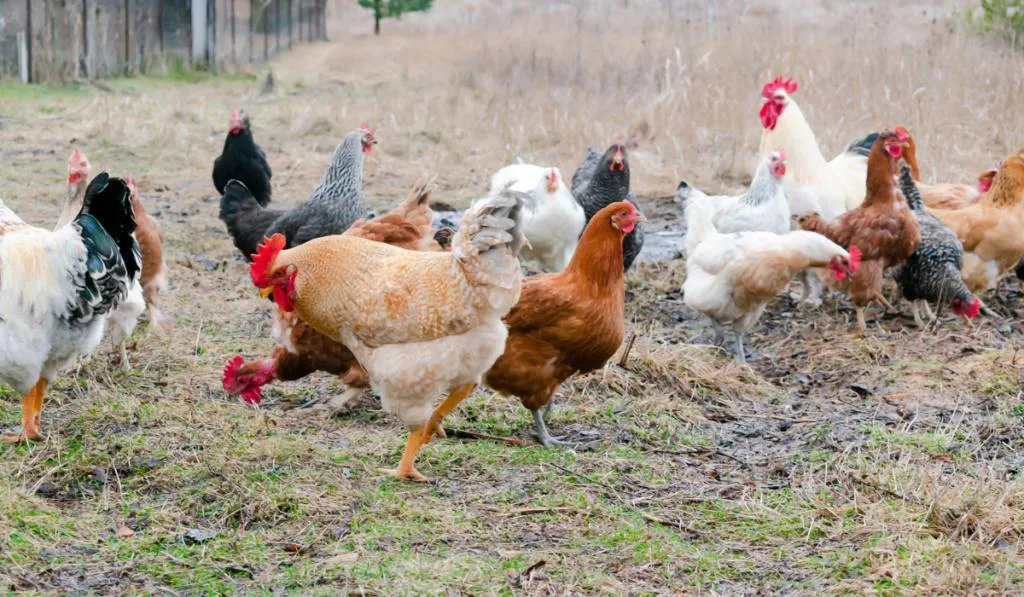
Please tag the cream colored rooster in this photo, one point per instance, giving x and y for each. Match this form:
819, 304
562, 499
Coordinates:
421, 324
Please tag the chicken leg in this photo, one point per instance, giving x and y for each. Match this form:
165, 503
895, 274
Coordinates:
406, 467
915, 308
546, 439
31, 415
861, 325
433, 426
740, 353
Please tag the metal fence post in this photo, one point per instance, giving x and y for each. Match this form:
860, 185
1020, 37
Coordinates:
160, 25
277, 26
234, 56
290, 16
211, 44
266, 32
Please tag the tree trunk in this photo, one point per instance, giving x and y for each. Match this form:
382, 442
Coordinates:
376, 16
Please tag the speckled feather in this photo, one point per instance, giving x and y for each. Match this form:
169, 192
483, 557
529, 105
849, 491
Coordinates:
932, 272
595, 185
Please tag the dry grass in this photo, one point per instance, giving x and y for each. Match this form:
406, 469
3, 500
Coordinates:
886, 465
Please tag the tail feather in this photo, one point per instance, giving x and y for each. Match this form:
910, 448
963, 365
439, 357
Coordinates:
487, 243
909, 187
108, 201
245, 219
699, 223
863, 145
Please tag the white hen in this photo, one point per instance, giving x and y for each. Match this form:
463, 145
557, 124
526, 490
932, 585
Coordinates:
731, 277
552, 219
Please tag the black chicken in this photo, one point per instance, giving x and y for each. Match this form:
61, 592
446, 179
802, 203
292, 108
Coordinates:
243, 160
335, 204
932, 272
602, 180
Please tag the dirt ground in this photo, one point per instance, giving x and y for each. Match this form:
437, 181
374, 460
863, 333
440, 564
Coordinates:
890, 464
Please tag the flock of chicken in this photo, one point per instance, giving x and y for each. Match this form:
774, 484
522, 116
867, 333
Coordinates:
413, 312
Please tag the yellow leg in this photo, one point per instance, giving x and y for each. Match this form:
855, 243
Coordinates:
861, 325
406, 469
31, 415
433, 426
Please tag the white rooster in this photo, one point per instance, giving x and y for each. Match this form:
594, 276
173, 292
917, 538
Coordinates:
552, 219
126, 316
731, 277
812, 184
57, 289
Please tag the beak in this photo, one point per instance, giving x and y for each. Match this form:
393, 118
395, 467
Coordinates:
639, 217
265, 292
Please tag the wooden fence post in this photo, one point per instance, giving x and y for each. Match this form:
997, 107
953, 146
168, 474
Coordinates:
127, 36
234, 56
252, 29
28, 41
277, 26
211, 42
290, 18
266, 32
160, 25
85, 38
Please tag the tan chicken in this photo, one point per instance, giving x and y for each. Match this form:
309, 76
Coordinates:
991, 228
421, 324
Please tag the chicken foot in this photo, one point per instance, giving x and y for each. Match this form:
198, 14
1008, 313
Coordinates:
546, 439
861, 325
31, 415
406, 466
420, 435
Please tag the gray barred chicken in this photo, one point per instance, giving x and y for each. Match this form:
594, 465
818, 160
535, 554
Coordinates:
602, 180
336, 203
932, 272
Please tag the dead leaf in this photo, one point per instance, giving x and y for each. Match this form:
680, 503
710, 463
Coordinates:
342, 558
293, 547
124, 532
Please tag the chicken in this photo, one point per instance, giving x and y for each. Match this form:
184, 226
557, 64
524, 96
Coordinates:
602, 180
762, 207
419, 323
154, 268
57, 289
552, 219
243, 160
732, 277
125, 317
991, 228
812, 184
78, 177
567, 323
932, 272
946, 195
883, 228
335, 204
302, 350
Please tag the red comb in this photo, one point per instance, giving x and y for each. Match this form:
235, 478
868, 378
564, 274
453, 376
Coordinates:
901, 133
235, 115
782, 153
768, 91
266, 253
974, 309
366, 128
854, 258
130, 181
250, 393
76, 156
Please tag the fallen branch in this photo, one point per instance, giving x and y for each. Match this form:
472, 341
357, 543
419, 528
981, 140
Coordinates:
462, 434
629, 347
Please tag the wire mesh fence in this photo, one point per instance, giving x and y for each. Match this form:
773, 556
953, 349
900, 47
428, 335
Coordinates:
63, 40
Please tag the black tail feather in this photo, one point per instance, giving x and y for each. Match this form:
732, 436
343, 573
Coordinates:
109, 201
862, 146
245, 219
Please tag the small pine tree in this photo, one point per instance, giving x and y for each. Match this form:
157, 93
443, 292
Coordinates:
383, 9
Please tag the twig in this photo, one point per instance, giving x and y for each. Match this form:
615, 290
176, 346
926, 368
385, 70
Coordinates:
675, 525
463, 434
629, 347
528, 511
